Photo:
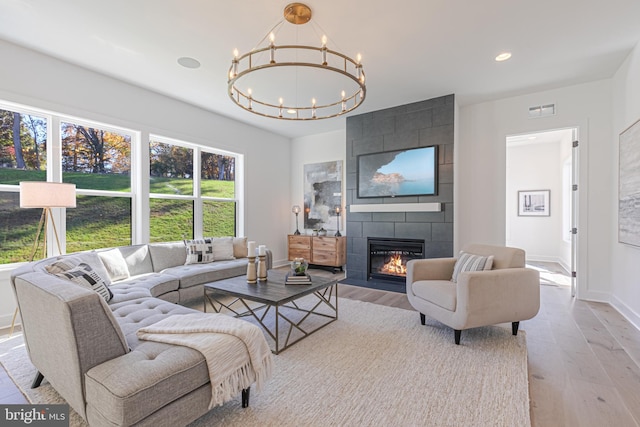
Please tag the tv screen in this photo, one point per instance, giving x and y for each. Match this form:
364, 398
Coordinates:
411, 172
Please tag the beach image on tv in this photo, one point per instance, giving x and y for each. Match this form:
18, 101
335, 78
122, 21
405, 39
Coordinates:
398, 173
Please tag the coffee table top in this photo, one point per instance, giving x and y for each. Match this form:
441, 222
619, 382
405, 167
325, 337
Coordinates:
273, 291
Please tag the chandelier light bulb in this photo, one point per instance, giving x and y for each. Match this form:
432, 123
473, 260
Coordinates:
272, 49
313, 108
359, 59
324, 41
344, 103
235, 53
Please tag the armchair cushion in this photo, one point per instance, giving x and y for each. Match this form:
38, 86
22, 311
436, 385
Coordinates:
471, 262
439, 292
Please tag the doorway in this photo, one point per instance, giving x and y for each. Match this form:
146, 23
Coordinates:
543, 165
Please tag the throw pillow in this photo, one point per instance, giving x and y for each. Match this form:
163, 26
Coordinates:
240, 247
83, 275
68, 262
115, 264
199, 251
470, 262
222, 248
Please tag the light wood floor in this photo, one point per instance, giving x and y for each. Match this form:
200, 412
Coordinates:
584, 360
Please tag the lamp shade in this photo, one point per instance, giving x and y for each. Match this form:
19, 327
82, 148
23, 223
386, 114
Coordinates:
38, 194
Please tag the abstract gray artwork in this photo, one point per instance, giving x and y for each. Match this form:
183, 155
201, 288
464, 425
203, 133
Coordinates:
322, 194
629, 186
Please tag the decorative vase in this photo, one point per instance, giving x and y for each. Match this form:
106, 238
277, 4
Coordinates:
299, 267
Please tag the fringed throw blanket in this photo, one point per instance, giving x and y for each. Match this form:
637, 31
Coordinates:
200, 331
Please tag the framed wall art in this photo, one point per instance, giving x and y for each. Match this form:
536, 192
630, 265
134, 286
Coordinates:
629, 186
534, 203
322, 194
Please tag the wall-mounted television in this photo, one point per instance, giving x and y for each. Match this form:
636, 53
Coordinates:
410, 172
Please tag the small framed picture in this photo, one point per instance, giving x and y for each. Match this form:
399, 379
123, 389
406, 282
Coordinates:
534, 203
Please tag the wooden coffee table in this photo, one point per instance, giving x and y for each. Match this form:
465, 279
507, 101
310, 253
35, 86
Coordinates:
274, 296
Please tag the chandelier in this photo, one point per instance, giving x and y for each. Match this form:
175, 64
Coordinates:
296, 81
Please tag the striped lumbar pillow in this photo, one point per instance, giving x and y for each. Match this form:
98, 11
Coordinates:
470, 262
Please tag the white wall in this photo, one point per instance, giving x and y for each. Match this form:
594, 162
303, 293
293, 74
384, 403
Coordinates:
320, 148
36, 80
481, 157
625, 260
535, 166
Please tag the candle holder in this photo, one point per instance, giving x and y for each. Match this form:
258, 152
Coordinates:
296, 210
338, 221
252, 274
262, 268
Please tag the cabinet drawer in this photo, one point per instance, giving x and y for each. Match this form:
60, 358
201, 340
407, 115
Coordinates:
299, 253
299, 247
324, 244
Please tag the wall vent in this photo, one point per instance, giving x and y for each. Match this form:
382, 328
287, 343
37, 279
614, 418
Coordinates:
542, 111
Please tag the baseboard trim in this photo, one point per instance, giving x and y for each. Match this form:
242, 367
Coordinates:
626, 311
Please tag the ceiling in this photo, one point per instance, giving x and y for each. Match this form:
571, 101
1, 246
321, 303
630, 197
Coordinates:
412, 50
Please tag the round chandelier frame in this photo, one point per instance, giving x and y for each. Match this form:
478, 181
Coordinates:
328, 60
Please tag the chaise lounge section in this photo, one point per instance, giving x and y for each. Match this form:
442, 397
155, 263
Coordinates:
88, 349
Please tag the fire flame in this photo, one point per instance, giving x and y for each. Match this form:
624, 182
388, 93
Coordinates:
394, 266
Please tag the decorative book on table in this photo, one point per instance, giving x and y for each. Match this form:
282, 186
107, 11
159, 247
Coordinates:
292, 279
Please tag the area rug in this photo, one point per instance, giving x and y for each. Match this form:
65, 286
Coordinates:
375, 366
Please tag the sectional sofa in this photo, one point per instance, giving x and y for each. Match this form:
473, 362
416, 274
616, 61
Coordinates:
83, 341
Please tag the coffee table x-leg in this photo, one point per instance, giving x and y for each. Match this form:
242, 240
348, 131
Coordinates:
239, 306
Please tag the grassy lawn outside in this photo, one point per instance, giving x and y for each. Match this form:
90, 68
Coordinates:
99, 222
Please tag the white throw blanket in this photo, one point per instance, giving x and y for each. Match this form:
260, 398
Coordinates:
200, 331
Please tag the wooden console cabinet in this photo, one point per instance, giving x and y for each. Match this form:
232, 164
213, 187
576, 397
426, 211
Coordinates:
327, 251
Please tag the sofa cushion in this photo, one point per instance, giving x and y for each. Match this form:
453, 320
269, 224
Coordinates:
132, 315
222, 248
114, 263
240, 247
127, 389
144, 285
199, 251
471, 262
439, 292
166, 255
198, 274
138, 259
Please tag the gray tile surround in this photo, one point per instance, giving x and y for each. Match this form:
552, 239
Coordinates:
420, 124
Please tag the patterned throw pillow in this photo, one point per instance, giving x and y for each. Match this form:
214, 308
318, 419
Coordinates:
83, 275
199, 251
470, 262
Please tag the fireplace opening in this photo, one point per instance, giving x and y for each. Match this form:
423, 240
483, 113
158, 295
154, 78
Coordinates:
387, 257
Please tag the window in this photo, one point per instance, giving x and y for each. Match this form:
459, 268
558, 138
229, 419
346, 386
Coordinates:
184, 204
218, 189
23, 157
192, 188
98, 161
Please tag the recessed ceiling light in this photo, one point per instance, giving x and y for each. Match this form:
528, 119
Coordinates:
187, 62
503, 56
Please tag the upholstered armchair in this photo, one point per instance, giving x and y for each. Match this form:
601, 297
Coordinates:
485, 285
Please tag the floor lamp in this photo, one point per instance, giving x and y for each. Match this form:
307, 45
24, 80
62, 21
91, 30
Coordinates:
45, 195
